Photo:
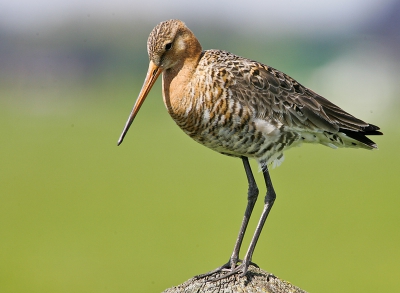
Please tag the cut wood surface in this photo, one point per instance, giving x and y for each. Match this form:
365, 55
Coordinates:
256, 280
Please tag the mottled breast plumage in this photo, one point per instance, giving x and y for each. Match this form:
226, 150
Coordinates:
212, 115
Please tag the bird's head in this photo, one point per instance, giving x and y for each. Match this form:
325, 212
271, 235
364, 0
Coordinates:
170, 44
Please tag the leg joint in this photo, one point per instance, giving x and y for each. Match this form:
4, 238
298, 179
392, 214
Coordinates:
253, 191
270, 196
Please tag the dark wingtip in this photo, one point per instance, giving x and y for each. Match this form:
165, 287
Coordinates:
361, 135
371, 129
374, 133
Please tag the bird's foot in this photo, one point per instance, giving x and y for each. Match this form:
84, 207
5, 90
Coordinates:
224, 267
231, 268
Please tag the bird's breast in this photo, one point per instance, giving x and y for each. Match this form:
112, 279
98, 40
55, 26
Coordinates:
213, 118
206, 109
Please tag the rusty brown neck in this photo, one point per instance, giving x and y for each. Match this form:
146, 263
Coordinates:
176, 79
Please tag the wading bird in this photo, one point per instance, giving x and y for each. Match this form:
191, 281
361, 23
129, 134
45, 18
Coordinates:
244, 109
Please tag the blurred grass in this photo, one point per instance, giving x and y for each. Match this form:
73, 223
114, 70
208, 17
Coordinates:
80, 214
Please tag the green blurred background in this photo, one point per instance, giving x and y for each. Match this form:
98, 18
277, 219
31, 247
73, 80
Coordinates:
79, 214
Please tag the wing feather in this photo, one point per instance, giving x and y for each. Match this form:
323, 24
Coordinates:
274, 95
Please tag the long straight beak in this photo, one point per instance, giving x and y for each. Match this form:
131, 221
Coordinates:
152, 74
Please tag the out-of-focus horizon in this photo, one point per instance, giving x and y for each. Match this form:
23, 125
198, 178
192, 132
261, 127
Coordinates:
79, 214
75, 40
283, 16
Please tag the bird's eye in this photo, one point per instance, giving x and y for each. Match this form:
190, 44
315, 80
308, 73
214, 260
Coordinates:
168, 46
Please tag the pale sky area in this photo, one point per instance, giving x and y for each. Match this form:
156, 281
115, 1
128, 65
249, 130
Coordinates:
307, 15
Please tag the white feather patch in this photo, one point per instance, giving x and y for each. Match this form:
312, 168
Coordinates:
266, 128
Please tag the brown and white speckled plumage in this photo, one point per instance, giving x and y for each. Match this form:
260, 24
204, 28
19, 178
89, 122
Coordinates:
242, 108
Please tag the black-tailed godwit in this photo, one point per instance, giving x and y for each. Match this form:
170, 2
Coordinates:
244, 109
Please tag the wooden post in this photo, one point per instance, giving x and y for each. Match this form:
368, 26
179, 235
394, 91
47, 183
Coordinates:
255, 281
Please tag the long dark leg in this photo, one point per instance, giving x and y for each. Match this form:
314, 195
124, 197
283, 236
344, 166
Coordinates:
268, 202
252, 195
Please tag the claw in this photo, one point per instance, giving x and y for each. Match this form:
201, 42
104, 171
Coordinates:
236, 269
219, 269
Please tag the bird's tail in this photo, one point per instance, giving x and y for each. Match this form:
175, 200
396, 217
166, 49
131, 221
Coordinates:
360, 137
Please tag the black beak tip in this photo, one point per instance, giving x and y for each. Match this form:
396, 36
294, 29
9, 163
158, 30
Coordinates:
120, 140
